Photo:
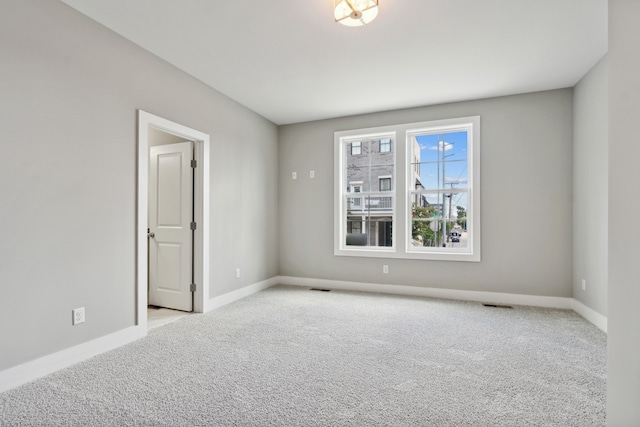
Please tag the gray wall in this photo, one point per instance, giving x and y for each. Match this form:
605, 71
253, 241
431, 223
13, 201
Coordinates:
623, 377
590, 189
70, 93
526, 173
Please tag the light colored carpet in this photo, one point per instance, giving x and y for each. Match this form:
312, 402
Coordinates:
289, 356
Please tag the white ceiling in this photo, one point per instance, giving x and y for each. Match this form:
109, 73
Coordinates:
290, 62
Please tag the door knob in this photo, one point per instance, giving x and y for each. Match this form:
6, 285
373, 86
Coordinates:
151, 234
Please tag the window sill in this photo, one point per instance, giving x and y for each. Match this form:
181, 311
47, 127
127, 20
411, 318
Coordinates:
393, 254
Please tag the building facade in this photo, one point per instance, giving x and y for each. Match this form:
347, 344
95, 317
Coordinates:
370, 173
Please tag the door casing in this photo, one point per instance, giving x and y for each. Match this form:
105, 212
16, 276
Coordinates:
201, 211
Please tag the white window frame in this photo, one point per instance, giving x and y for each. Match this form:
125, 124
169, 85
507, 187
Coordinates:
402, 187
472, 251
340, 246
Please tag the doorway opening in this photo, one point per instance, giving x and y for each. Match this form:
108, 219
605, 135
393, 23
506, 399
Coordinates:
160, 316
154, 131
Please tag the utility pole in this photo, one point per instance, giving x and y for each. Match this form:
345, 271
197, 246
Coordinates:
451, 197
442, 209
445, 237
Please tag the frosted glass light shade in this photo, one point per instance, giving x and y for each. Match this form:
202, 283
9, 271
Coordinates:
355, 13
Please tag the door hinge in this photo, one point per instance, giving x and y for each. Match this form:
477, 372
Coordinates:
193, 225
194, 163
193, 287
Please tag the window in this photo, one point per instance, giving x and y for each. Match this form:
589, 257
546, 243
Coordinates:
438, 216
385, 145
356, 187
384, 183
354, 226
439, 202
367, 201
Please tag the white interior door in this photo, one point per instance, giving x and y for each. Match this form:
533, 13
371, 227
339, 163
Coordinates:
170, 217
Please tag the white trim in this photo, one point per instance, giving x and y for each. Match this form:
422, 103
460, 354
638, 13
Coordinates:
201, 207
488, 297
238, 294
590, 314
564, 303
29, 371
201, 253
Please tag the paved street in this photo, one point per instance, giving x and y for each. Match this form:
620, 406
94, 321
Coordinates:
462, 243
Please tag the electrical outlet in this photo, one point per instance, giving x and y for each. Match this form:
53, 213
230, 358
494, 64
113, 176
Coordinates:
78, 316
385, 269
312, 174
294, 175
237, 273
584, 285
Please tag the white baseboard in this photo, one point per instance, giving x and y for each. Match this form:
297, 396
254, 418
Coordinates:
486, 297
29, 371
22, 374
232, 296
45, 365
590, 314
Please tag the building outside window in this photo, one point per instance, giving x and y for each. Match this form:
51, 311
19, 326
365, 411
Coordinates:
368, 215
356, 187
354, 226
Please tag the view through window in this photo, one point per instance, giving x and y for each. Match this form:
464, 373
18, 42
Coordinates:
439, 173
409, 191
367, 174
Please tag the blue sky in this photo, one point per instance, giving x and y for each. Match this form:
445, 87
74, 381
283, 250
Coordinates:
453, 168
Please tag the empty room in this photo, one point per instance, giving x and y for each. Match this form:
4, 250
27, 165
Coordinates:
320, 212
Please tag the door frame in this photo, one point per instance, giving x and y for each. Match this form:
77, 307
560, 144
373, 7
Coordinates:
201, 211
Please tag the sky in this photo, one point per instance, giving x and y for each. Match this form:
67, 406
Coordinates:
448, 173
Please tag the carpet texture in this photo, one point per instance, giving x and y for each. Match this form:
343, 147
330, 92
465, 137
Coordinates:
289, 356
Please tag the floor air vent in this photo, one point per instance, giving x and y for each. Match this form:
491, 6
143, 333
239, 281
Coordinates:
497, 305
321, 290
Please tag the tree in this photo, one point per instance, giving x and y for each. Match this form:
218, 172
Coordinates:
462, 217
421, 230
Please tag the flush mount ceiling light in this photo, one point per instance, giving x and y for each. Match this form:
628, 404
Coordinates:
355, 13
